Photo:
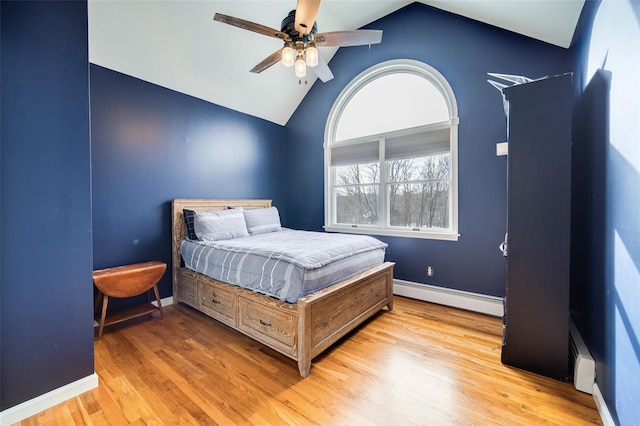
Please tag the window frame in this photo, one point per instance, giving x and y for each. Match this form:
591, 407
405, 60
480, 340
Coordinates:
430, 74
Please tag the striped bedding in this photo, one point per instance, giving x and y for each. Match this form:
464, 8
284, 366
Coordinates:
286, 264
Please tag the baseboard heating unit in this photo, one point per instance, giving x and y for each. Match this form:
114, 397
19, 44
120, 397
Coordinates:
584, 367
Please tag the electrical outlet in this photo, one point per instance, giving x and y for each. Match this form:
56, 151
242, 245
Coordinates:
430, 271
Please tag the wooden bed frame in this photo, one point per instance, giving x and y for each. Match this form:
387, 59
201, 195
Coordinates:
300, 331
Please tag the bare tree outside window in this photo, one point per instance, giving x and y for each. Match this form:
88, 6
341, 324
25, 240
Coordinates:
357, 193
419, 192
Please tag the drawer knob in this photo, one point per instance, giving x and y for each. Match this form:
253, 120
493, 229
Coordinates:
215, 302
266, 324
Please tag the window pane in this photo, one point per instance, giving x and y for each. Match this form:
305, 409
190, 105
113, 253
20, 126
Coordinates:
403, 170
357, 204
430, 167
419, 205
392, 102
357, 174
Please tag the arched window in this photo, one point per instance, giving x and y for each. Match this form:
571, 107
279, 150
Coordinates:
391, 154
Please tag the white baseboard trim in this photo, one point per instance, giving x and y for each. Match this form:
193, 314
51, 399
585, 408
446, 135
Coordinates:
34, 406
601, 405
166, 301
490, 305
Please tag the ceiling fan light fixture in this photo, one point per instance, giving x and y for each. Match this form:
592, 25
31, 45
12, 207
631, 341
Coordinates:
287, 56
311, 56
299, 32
300, 67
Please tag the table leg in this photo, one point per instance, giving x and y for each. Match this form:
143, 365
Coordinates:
105, 302
155, 290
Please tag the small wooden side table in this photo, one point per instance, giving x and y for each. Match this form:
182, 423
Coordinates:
127, 281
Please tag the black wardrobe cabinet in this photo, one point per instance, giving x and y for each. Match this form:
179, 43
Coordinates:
536, 319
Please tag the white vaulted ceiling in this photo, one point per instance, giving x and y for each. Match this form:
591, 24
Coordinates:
177, 45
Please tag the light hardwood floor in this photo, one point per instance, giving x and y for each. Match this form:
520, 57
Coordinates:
421, 364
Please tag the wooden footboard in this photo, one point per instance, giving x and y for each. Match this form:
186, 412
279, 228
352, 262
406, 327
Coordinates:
329, 314
300, 331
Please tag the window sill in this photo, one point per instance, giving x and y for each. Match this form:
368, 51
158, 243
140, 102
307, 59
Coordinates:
429, 235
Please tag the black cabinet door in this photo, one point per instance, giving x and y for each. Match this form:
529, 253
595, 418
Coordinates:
539, 210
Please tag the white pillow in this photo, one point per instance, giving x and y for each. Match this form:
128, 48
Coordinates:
220, 225
260, 221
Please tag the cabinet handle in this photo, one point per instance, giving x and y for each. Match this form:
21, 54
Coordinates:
215, 302
267, 324
503, 247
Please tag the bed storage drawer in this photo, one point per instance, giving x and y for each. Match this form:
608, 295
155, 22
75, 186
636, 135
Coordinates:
217, 302
273, 327
187, 289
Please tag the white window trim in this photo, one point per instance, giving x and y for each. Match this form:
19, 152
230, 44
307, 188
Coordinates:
385, 68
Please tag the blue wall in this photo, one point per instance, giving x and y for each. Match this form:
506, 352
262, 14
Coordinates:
606, 297
150, 145
463, 51
46, 306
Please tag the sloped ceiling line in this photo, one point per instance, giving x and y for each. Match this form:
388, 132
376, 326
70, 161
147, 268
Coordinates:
177, 45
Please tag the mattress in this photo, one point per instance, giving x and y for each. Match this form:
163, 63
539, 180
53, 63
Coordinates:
286, 264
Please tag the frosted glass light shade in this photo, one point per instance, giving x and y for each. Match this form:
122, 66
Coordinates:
301, 67
287, 56
311, 56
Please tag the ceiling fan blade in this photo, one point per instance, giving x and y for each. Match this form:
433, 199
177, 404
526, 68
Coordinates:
322, 70
348, 38
251, 26
274, 58
306, 12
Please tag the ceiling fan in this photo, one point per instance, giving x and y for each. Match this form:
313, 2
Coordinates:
299, 32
